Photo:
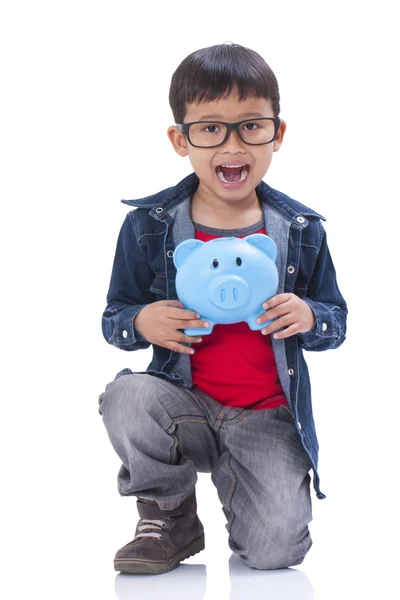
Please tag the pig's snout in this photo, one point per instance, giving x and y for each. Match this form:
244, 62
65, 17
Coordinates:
228, 291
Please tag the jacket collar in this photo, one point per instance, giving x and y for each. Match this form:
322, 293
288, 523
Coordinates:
162, 202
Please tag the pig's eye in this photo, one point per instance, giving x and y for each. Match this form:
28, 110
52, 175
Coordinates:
238, 261
215, 263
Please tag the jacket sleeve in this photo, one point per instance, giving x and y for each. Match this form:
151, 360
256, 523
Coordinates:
129, 290
327, 304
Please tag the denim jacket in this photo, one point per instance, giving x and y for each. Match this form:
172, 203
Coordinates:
144, 272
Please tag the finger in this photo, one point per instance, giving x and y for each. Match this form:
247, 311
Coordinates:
284, 321
193, 339
176, 303
272, 313
267, 316
187, 339
289, 331
183, 313
177, 347
275, 300
198, 323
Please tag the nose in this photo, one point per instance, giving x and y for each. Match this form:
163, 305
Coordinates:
229, 292
233, 141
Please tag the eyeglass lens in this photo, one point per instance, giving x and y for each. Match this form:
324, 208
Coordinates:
212, 133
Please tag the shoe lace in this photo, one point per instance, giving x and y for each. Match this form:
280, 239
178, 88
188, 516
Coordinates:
151, 524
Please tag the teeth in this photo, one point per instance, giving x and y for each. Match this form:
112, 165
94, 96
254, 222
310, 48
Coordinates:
222, 178
232, 166
243, 174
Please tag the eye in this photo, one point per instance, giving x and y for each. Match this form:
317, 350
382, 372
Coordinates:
210, 127
238, 261
250, 125
215, 263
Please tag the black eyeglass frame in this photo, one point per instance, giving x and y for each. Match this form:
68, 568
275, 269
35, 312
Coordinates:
184, 127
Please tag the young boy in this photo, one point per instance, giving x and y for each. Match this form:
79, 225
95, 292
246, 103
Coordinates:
237, 403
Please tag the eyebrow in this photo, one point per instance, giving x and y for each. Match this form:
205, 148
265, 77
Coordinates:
248, 114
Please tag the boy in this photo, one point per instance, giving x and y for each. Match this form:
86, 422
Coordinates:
237, 403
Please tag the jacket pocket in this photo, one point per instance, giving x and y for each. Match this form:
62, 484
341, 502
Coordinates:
159, 285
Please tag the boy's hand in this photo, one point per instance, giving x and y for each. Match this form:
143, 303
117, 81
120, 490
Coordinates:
160, 323
292, 312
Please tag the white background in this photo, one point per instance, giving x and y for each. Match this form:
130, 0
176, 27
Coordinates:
81, 83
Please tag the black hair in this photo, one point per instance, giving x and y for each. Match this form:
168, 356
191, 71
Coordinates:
211, 73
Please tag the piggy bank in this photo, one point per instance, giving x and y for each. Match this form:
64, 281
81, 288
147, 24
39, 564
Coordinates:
226, 279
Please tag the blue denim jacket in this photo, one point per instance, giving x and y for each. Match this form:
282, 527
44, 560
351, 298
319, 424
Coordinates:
144, 272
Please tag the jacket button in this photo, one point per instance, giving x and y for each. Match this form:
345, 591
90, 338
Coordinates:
299, 424
290, 269
124, 333
300, 219
291, 371
324, 326
159, 209
170, 253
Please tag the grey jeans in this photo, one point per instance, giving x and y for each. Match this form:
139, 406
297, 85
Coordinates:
165, 434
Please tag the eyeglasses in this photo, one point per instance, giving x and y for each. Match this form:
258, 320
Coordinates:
209, 134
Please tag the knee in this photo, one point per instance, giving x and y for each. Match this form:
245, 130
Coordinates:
280, 557
130, 400
121, 397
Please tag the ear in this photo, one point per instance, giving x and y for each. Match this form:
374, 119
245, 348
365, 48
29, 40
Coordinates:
183, 250
279, 138
264, 242
177, 140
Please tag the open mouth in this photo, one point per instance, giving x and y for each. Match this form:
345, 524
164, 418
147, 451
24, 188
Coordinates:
232, 174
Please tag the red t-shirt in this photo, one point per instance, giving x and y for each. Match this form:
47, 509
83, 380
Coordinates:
234, 364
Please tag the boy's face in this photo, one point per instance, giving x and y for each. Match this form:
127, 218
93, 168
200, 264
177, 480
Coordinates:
205, 160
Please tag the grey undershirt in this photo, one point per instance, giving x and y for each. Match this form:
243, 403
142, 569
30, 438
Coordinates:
228, 232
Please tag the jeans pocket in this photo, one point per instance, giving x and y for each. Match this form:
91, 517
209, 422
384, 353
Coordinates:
284, 413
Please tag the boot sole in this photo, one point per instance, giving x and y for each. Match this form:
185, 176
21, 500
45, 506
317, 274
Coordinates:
140, 565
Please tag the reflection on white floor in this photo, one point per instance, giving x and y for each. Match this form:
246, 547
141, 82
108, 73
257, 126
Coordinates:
190, 581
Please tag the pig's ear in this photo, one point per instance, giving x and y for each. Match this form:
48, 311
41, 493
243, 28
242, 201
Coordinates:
183, 250
264, 242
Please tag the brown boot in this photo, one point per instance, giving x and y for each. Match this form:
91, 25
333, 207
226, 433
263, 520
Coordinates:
163, 538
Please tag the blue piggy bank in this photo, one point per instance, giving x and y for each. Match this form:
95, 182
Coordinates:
227, 279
